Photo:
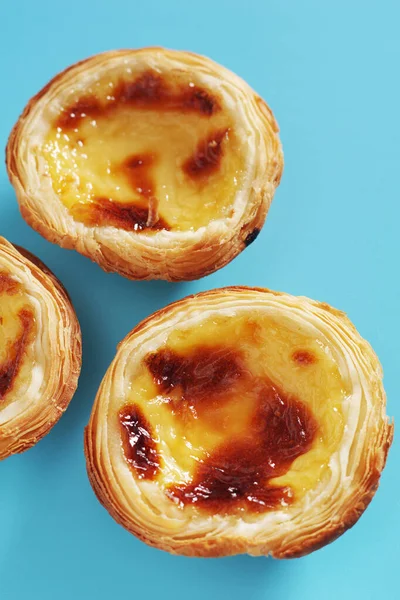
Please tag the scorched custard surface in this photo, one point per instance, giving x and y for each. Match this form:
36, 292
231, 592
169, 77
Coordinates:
145, 152
236, 414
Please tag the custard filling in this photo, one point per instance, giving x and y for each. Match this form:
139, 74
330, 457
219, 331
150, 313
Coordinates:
146, 153
17, 333
237, 414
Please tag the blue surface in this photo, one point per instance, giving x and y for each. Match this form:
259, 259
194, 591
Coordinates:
330, 71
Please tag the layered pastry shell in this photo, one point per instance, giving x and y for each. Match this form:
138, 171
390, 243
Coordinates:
40, 349
239, 420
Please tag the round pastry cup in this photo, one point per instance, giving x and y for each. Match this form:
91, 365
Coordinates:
170, 255
28, 420
321, 516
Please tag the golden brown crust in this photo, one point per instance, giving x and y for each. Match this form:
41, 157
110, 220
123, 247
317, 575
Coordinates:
307, 527
355, 511
52, 376
173, 257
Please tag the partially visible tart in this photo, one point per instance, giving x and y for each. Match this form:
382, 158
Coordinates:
154, 163
239, 420
40, 349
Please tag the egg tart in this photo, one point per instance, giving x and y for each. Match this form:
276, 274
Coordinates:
40, 349
156, 164
239, 420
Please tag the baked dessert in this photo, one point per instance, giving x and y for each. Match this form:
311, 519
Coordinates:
154, 163
40, 349
239, 421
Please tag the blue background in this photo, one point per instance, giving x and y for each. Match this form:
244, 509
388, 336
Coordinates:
330, 71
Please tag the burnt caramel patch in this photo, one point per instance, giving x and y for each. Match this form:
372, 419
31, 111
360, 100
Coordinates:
85, 107
232, 476
137, 169
153, 91
8, 285
149, 91
200, 377
207, 158
304, 357
236, 475
10, 367
139, 444
198, 100
130, 217
251, 237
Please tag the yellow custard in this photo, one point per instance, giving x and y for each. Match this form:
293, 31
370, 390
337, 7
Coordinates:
247, 405
17, 331
148, 153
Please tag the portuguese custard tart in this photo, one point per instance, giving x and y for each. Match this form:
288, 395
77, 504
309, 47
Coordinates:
239, 420
154, 163
40, 349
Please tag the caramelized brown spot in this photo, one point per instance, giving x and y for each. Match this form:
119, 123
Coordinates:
137, 168
200, 377
139, 445
251, 237
130, 217
149, 91
198, 100
207, 158
237, 474
304, 357
9, 369
85, 107
8, 285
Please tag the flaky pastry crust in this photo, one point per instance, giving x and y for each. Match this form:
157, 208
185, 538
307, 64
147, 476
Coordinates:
41, 358
317, 517
157, 254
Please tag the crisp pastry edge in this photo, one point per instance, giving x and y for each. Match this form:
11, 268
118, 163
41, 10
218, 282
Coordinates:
18, 442
215, 547
192, 261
